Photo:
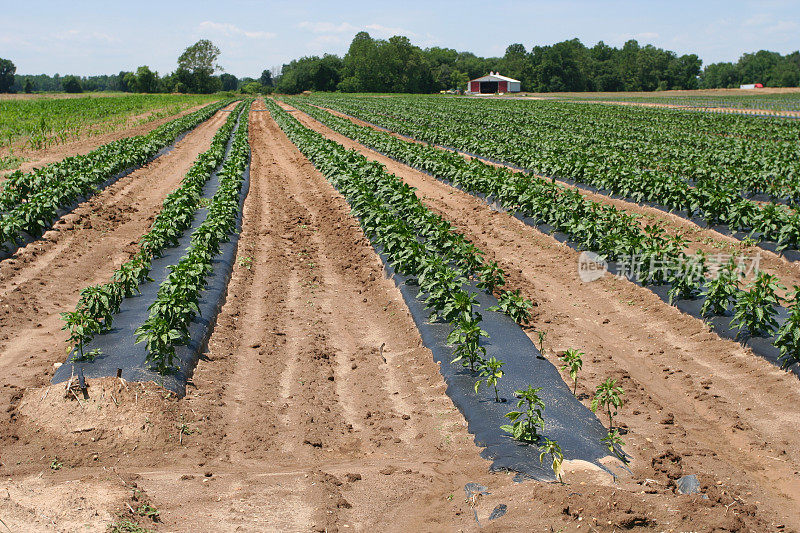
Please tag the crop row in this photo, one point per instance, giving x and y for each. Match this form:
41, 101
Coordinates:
612, 233
659, 137
416, 242
177, 301
29, 203
98, 304
422, 246
553, 142
770, 103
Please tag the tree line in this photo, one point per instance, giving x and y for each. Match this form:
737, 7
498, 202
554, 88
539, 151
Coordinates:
195, 74
396, 65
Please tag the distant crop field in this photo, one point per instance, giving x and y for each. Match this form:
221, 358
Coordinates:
770, 100
35, 122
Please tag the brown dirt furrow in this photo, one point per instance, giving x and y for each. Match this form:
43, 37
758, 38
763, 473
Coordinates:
726, 413
45, 278
718, 246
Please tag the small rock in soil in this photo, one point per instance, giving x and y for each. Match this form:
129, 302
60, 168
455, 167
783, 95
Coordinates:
498, 511
688, 484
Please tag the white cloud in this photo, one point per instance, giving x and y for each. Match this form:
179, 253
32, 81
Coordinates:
231, 30
327, 27
375, 30
384, 31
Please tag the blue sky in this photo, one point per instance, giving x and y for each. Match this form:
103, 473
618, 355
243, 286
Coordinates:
89, 37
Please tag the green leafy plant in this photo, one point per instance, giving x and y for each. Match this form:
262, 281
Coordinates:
490, 276
553, 449
514, 305
687, 276
466, 337
573, 361
614, 443
608, 398
756, 307
541, 335
721, 290
525, 424
490, 371
81, 328
788, 337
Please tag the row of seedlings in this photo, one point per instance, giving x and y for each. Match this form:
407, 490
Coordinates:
420, 244
611, 170
177, 301
97, 305
30, 203
660, 258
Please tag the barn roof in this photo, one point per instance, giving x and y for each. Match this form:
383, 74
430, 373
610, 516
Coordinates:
495, 76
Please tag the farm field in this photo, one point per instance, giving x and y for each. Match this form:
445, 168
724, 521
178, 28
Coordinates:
38, 129
274, 263
763, 101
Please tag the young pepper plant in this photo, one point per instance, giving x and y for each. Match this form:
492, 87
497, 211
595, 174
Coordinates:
553, 449
525, 424
81, 329
466, 337
514, 305
608, 397
573, 361
491, 372
756, 307
721, 290
614, 443
787, 340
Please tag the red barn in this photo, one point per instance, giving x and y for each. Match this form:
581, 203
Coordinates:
493, 83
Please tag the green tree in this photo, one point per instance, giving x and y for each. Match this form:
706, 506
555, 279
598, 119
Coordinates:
266, 78
7, 70
28, 86
71, 84
145, 80
723, 75
252, 87
229, 82
516, 64
758, 67
200, 62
